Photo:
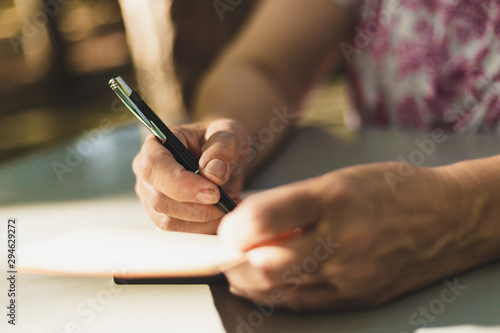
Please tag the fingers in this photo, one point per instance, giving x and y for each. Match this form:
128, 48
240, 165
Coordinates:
160, 203
291, 264
295, 270
222, 151
172, 195
167, 223
263, 217
295, 265
156, 166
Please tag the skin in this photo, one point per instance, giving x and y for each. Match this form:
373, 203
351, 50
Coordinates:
437, 223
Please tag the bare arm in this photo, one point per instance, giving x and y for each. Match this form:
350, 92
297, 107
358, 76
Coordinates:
252, 92
479, 186
364, 243
271, 65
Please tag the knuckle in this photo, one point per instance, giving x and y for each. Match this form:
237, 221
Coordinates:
365, 275
231, 146
230, 143
177, 189
346, 188
258, 212
136, 162
146, 168
225, 139
157, 202
162, 223
345, 191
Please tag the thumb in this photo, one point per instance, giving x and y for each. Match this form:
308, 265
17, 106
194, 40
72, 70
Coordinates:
223, 153
266, 217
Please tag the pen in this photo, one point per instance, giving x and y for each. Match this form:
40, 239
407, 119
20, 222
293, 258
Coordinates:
163, 134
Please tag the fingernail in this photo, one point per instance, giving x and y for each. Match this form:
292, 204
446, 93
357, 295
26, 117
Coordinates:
216, 167
207, 196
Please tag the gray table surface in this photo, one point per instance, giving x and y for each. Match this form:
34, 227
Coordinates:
104, 170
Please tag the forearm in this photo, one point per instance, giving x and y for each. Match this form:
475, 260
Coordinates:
262, 76
479, 185
241, 92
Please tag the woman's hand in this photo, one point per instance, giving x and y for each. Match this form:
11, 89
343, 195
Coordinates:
180, 200
358, 243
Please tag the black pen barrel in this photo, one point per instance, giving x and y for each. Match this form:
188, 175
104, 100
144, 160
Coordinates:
179, 151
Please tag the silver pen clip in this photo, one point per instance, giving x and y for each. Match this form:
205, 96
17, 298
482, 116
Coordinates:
123, 91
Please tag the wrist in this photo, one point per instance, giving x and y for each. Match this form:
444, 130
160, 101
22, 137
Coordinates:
477, 239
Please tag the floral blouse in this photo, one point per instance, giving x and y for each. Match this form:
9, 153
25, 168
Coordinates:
425, 64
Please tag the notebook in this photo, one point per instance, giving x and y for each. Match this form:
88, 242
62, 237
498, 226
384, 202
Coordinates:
128, 253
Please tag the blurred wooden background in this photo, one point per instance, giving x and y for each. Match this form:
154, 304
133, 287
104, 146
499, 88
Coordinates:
56, 57
55, 62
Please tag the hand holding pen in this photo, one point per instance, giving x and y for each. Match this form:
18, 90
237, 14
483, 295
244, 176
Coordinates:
174, 196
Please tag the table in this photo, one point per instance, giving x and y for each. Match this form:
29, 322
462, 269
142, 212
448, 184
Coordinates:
99, 191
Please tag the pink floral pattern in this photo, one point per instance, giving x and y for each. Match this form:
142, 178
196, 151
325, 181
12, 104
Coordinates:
426, 63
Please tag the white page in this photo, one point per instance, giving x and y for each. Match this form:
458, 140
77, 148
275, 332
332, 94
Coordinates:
130, 253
